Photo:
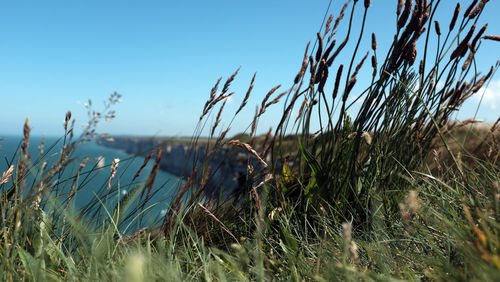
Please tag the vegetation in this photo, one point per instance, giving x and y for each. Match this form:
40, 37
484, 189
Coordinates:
397, 191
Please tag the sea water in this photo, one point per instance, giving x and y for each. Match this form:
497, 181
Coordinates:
94, 179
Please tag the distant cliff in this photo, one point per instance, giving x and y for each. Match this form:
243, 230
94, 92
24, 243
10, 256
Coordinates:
228, 165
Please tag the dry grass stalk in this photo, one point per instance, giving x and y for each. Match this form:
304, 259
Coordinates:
218, 120
212, 102
267, 178
437, 28
353, 79
209, 103
481, 81
462, 47
340, 17
214, 89
218, 221
411, 53
494, 126
455, 16
319, 51
312, 68
23, 164
374, 42
114, 167
201, 188
337, 20
146, 160
431, 87
349, 87
469, 121
400, 7
453, 96
58, 166
358, 67
264, 101
469, 59
406, 13
286, 113
189, 182
228, 82
337, 81
40, 147
436, 160
469, 8
247, 95
6, 175
82, 166
71, 131
204, 178
222, 136
477, 37
135, 235
492, 37
328, 50
264, 144
175, 206
26, 136
152, 176
477, 9
322, 75
328, 24
222, 96
276, 100
254, 121
249, 148
66, 120
303, 67
301, 109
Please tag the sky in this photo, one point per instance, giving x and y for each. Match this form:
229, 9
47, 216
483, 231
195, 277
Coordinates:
165, 56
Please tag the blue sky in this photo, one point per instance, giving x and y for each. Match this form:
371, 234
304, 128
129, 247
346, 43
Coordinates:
164, 56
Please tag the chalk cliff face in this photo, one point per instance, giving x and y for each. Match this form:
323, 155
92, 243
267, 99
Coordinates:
227, 166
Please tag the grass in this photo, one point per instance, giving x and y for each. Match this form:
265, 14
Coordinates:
395, 192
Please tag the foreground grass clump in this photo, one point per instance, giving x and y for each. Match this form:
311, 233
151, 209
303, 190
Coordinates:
447, 229
396, 191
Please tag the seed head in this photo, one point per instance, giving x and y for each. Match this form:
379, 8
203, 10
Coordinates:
455, 16
492, 37
367, 3
438, 29
374, 42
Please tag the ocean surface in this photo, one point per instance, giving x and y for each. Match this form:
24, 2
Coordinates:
93, 182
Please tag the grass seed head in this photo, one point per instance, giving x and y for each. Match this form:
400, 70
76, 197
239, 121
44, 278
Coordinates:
6, 175
400, 7
455, 17
114, 167
406, 13
492, 37
469, 9
320, 47
478, 9
374, 42
437, 28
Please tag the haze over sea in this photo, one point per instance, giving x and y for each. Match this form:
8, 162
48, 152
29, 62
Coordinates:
93, 181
